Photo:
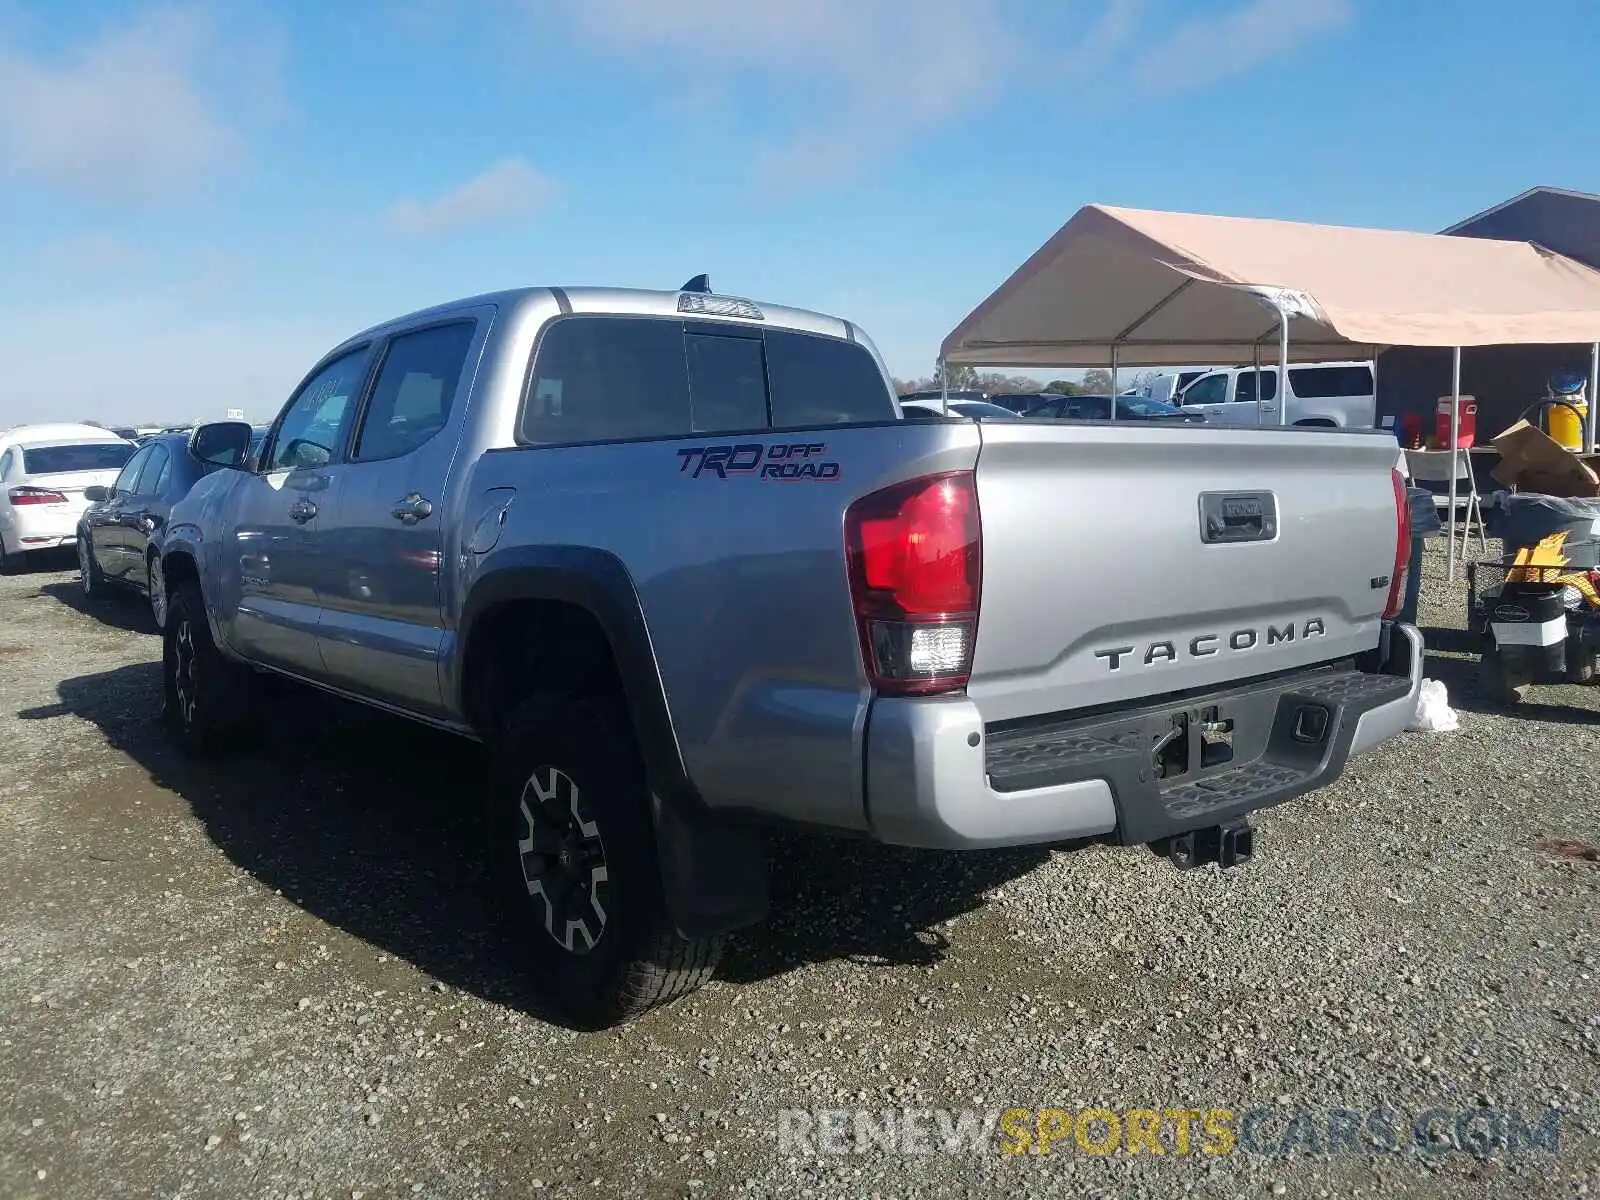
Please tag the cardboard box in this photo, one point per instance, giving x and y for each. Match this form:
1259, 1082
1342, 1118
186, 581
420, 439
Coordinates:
1532, 461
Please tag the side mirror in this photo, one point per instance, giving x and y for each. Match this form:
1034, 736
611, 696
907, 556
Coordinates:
221, 443
96, 494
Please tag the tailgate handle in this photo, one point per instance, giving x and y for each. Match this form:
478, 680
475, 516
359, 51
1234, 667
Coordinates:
1238, 517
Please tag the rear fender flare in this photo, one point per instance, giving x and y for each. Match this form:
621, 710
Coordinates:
713, 871
596, 581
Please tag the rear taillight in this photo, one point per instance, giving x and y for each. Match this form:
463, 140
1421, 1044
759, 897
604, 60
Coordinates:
33, 495
915, 555
1402, 547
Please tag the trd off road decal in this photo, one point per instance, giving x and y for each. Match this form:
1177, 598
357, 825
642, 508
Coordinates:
787, 462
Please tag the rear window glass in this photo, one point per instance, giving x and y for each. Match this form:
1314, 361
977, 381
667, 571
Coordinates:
614, 378
824, 381
1321, 382
727, 383
595, 380
63, 460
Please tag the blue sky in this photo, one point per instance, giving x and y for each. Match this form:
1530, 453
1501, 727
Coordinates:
196, 201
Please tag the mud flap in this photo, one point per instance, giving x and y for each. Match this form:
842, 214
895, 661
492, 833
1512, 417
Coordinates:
713, 872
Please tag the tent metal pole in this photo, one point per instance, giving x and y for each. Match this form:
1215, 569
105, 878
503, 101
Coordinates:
1455, 443
1594, 395
1283, 370
1113, 381
944, 388
1256, 346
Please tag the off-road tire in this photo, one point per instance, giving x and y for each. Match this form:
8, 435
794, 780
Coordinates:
90, 578
206, 697
638, 961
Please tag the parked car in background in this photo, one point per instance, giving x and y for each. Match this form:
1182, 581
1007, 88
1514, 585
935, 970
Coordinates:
1098, 408
121, 532
923, 410
44, 470
1335, 395
954, 394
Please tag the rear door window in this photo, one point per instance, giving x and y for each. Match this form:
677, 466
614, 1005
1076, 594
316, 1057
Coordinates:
1317, 383
415, 390
1244, 388
149, 481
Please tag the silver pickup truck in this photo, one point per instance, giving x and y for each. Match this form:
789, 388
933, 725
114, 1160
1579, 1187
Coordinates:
677, 560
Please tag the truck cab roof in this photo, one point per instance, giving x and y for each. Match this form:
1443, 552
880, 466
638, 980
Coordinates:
519, 302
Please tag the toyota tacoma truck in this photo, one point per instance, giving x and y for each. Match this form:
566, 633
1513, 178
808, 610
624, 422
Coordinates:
676, 559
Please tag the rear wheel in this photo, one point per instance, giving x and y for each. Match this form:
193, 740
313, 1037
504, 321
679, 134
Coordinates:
10, 563
207, 697
90, 577
156, 587
573, 845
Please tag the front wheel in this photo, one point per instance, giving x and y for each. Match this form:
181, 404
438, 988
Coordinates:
573, 845
207, 697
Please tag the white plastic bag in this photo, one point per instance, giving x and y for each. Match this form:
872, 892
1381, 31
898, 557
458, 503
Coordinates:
1434, 714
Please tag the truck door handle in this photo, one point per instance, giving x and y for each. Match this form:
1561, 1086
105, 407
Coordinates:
302, 511
412, 509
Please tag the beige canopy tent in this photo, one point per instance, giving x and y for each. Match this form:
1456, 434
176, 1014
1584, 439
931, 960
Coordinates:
1120, 286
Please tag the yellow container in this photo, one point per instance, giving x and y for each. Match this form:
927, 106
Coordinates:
1566, 426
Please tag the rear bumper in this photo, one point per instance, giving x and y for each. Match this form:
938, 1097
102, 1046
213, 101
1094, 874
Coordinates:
937, 777
43, 526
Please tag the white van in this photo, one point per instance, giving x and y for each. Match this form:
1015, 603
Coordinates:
1334, 395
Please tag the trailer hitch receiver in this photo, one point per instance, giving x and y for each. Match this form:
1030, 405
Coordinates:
1230, 845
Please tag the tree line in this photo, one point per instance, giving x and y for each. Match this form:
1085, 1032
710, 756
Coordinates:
1096, 382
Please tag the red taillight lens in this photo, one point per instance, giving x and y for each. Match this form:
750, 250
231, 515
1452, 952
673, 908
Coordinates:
1402, 547
33, 495
915, 559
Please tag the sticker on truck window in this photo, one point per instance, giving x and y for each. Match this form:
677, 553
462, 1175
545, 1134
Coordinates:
786, 462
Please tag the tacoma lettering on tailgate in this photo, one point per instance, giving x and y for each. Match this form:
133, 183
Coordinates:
1206, 644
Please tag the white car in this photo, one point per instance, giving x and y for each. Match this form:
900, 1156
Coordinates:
43, 471
1333, 395
922, 410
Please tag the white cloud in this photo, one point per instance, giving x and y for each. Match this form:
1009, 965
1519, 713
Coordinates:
883, 72
1206, 49
126, 114
509, 189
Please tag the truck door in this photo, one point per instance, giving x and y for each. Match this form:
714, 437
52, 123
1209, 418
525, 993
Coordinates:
269, 574
1254, 408
381, 626
1209, 394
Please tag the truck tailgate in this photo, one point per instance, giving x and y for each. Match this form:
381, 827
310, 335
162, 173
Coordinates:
1123, 562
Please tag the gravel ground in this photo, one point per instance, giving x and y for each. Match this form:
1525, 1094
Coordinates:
277, 977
